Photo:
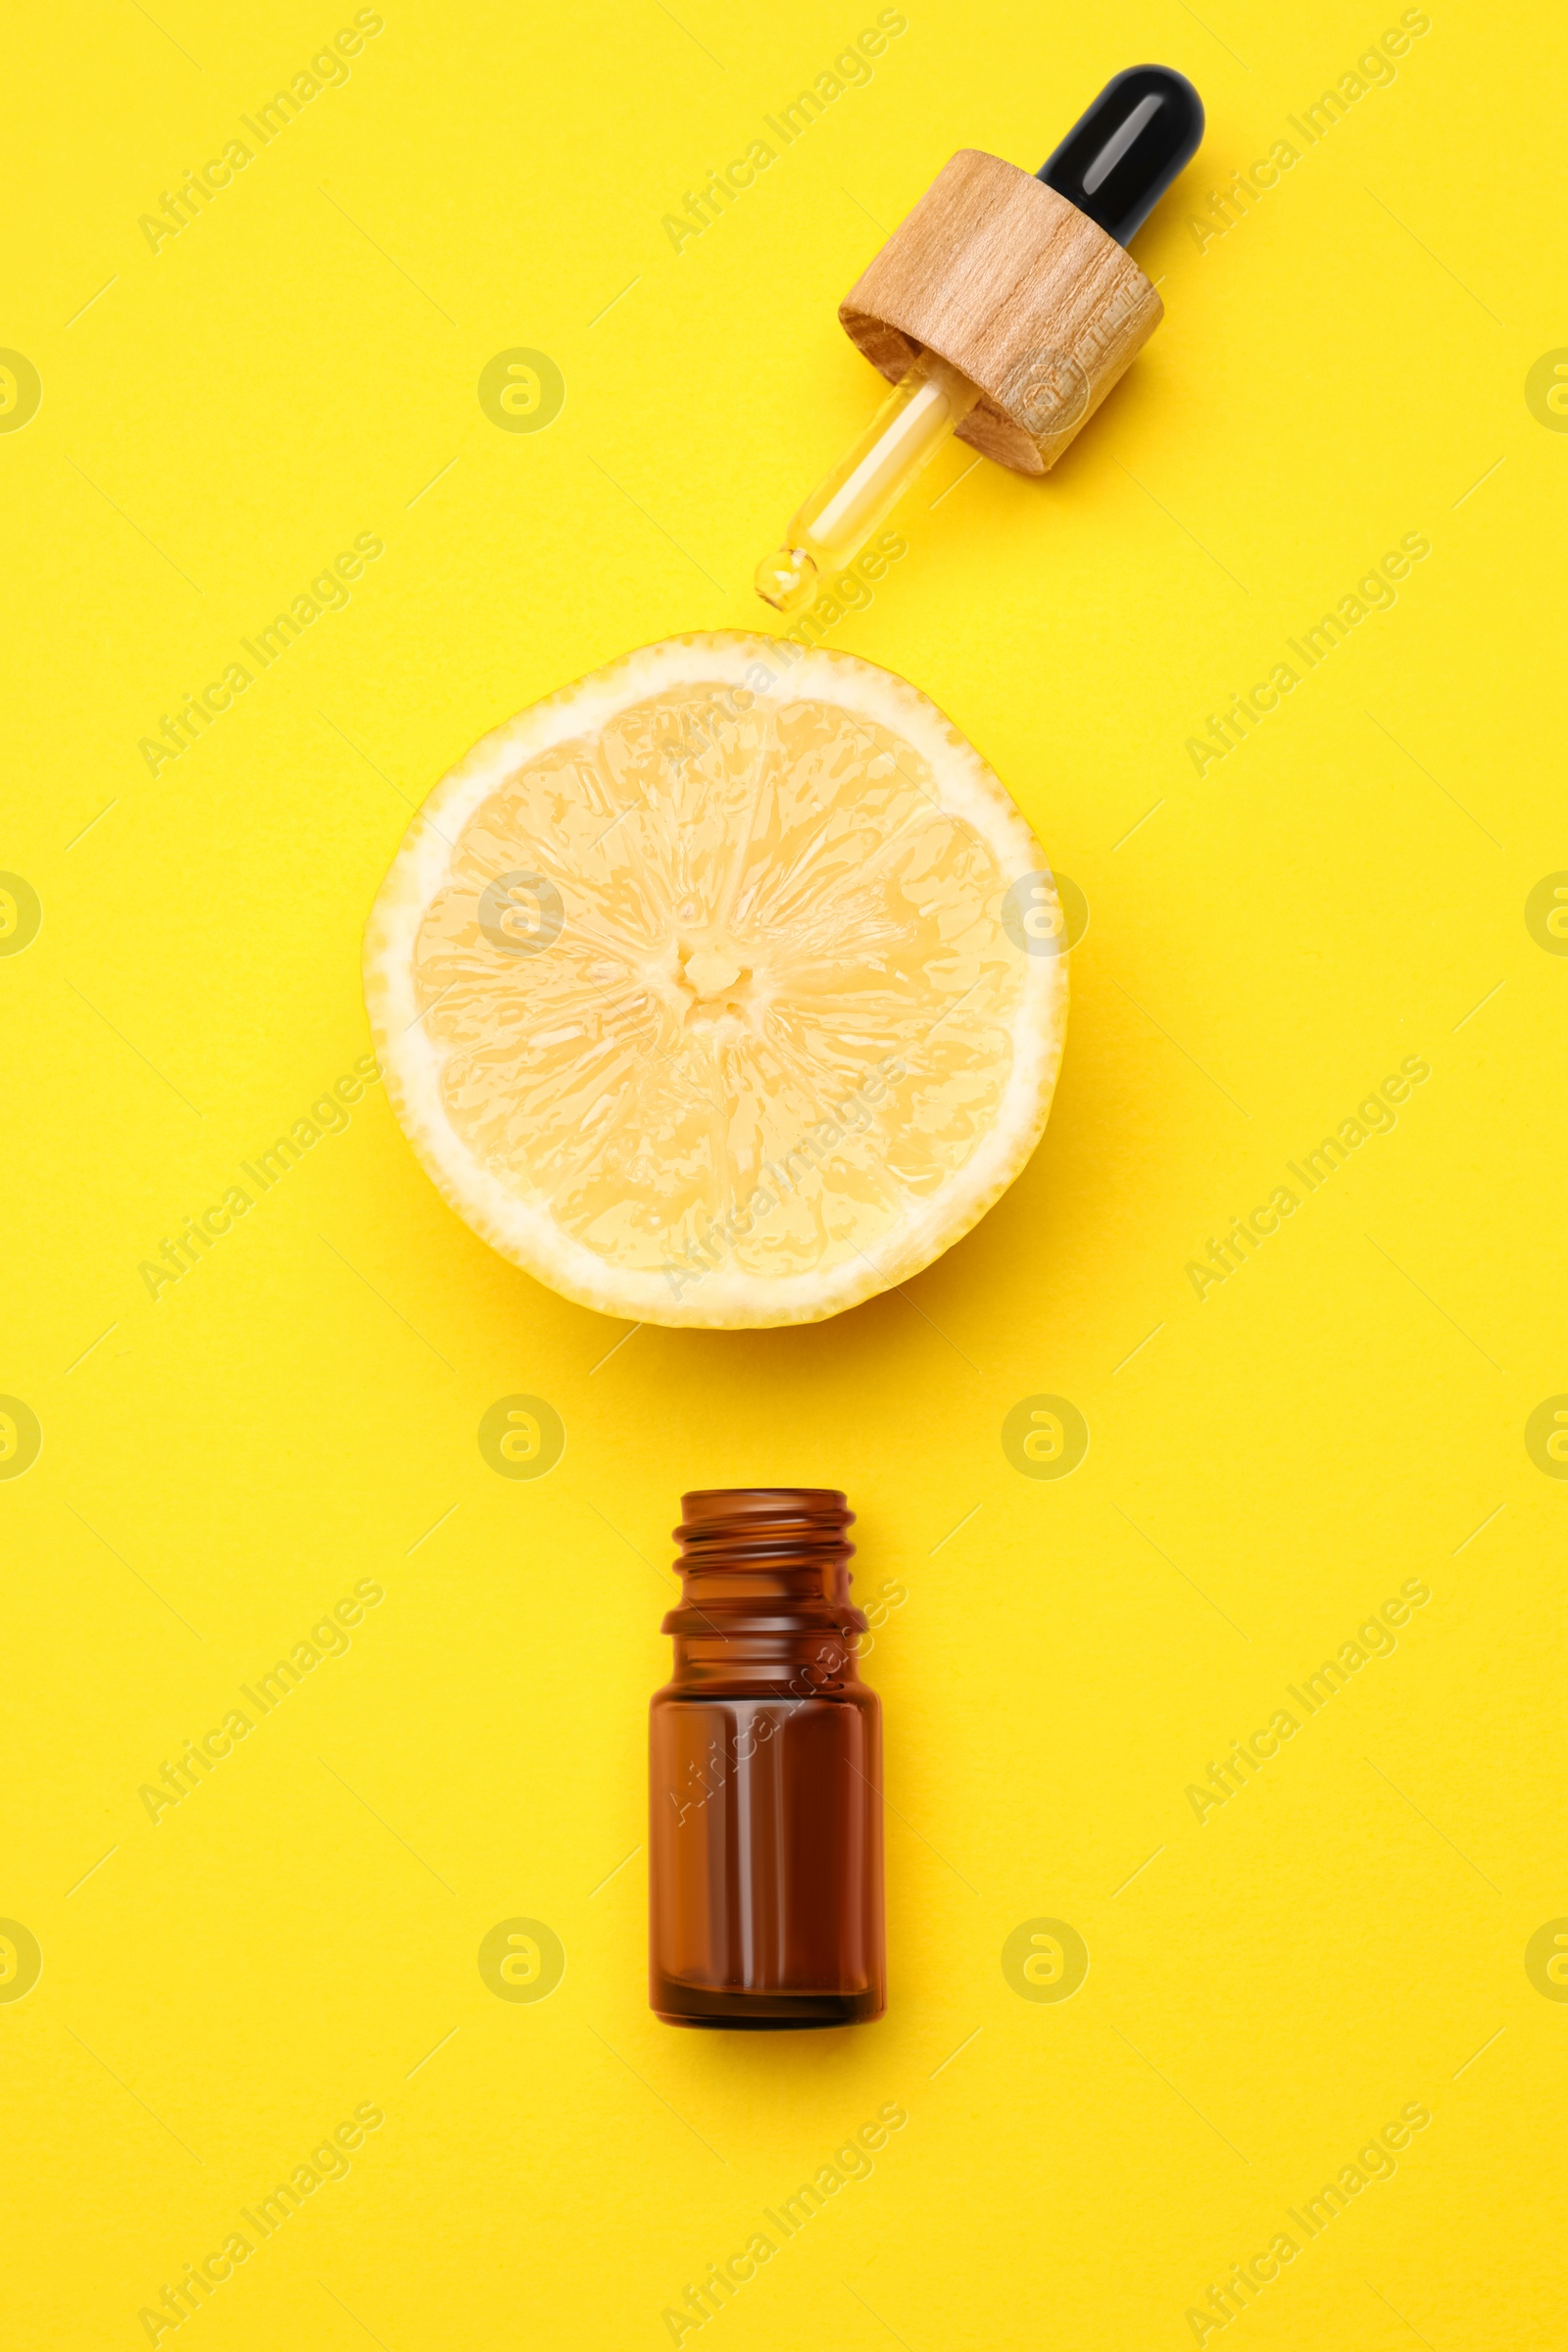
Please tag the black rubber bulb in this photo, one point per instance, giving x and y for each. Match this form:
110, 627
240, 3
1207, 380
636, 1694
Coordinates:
1121, 156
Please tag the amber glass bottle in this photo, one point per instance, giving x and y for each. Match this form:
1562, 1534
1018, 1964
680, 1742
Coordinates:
766, 1774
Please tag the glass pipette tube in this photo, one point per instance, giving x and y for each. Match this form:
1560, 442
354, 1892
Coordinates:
924, 407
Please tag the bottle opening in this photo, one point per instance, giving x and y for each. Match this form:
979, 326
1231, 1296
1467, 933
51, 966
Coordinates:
724, 1526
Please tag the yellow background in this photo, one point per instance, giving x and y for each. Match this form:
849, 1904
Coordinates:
1345, 365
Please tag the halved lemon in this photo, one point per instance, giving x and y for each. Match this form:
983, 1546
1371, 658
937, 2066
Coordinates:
721, 987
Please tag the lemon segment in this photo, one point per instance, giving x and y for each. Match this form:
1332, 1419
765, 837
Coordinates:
698, 992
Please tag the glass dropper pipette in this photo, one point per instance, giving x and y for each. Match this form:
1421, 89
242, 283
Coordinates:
923, 408
1114, 164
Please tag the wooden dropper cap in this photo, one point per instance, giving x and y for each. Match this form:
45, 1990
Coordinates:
1024, 283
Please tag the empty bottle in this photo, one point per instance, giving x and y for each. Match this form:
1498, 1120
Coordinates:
766, 1774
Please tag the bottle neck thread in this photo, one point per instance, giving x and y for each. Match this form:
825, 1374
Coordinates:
764, 1560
